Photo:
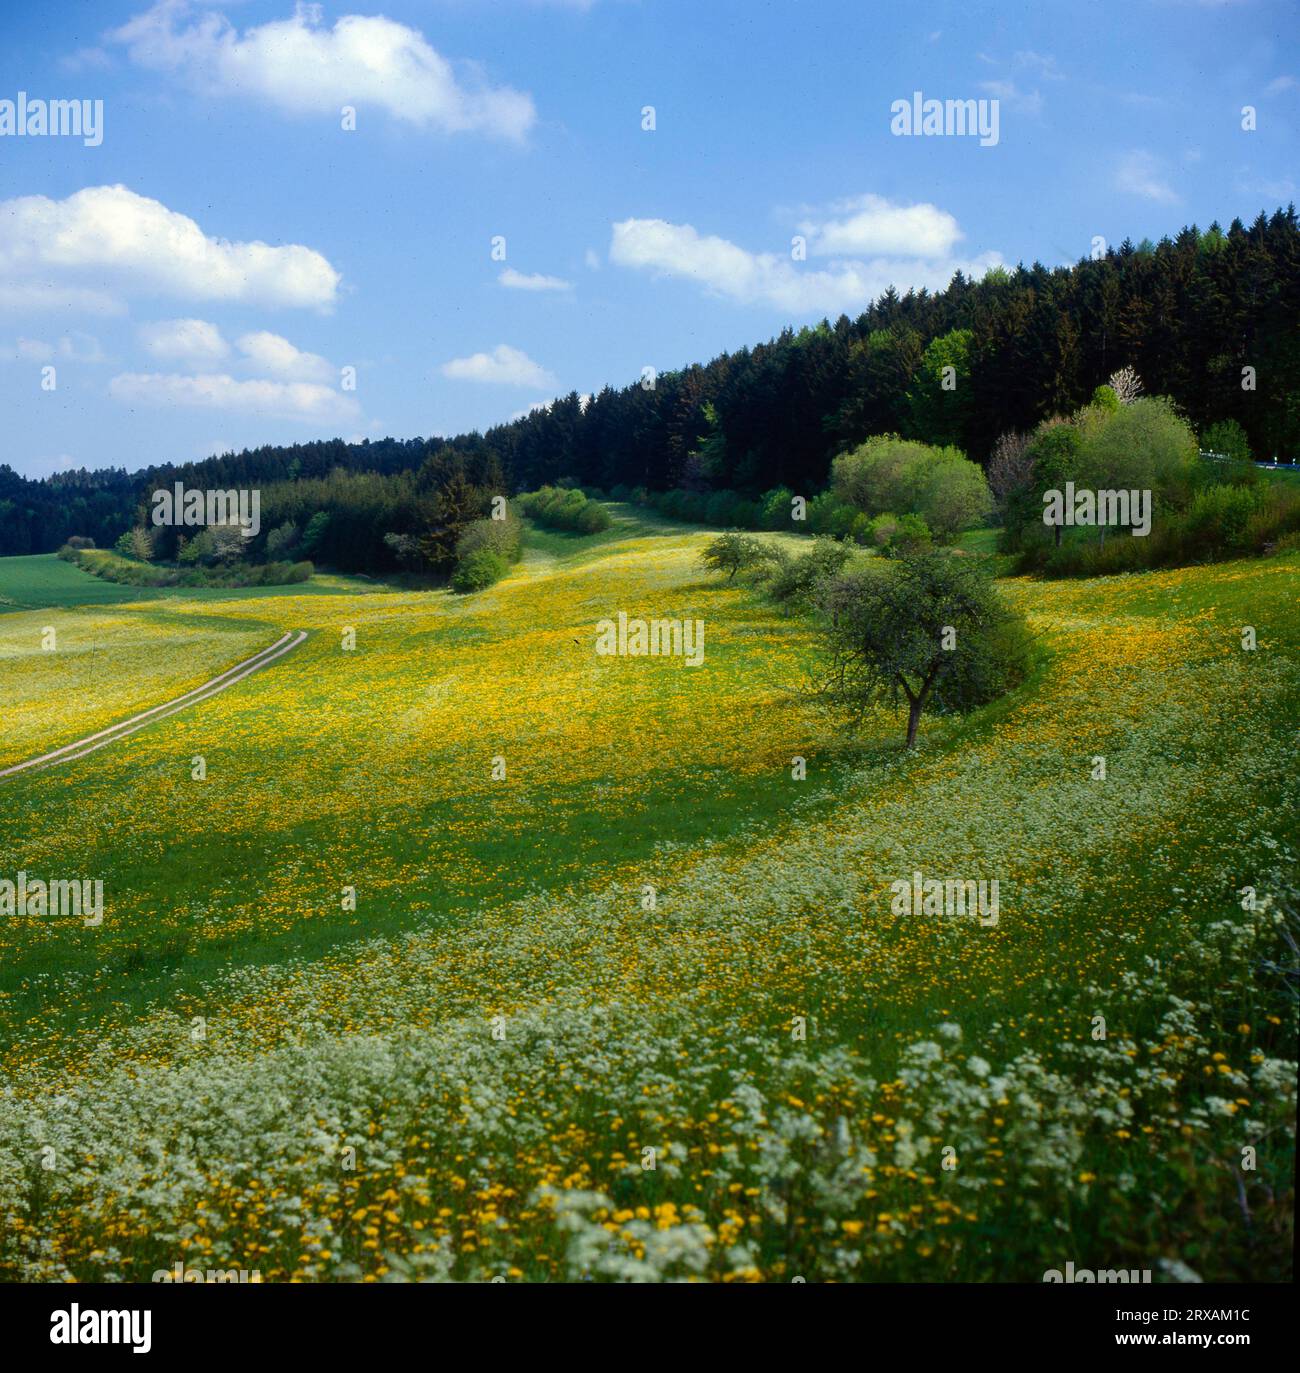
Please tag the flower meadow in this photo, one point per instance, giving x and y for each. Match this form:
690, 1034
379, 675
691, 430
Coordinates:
476, 955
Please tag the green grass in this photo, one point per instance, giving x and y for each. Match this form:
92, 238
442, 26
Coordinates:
630, 1025
43, 580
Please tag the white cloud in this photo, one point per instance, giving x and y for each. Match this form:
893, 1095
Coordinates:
1280, 84
198, 344
531, 281
49, 297
734, 273
71, 347
1008, 93
85, 60
1042, 63
296, 400
503, 366
870, 224
128, 242
592, 259
303, 67
30, 350
279, 358
1139, 173
192, 341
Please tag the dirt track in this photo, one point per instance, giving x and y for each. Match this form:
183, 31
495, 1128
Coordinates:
81, 747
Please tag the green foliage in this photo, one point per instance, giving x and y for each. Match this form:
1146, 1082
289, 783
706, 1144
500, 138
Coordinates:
504, 537
732, 553
1218, 520
929, 629
939, 400
896, 535
888, 473
281, 541
1104, 398
709, 459
776, 413
797, 582
777, 507
1145, 445
827, 514
314, 535
478, 569
558, 508
192, 552
114, 567
1228, 438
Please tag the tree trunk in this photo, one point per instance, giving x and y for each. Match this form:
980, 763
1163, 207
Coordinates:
914, 709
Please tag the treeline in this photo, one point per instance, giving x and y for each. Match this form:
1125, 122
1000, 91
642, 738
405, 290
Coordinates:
368, 489
1188, 313
1208, 318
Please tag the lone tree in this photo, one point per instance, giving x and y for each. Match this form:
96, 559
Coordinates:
732, 553
929, 629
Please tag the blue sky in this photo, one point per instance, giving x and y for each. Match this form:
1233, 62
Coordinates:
200, 279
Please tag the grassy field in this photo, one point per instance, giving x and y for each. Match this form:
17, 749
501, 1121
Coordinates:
640, 1007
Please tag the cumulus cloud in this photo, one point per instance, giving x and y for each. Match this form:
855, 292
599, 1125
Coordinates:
294, 400
503, 366
304, 67
75, 346
531, 281
1139, 173
870, 224
197, 343
192, 341
725, 269
279, 358
130, 243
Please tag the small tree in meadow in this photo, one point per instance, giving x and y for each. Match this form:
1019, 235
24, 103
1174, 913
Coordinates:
732, 553
929, 630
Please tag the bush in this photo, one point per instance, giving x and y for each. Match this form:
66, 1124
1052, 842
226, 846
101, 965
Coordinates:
480, 569
796, 583
827, 514
1104, 398
777, 506
1144, 445
720, 508
896, 535
732, 553
747, 514
888, 473
503, 537
1228, 438
565, 508
113, 567
1217, 520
